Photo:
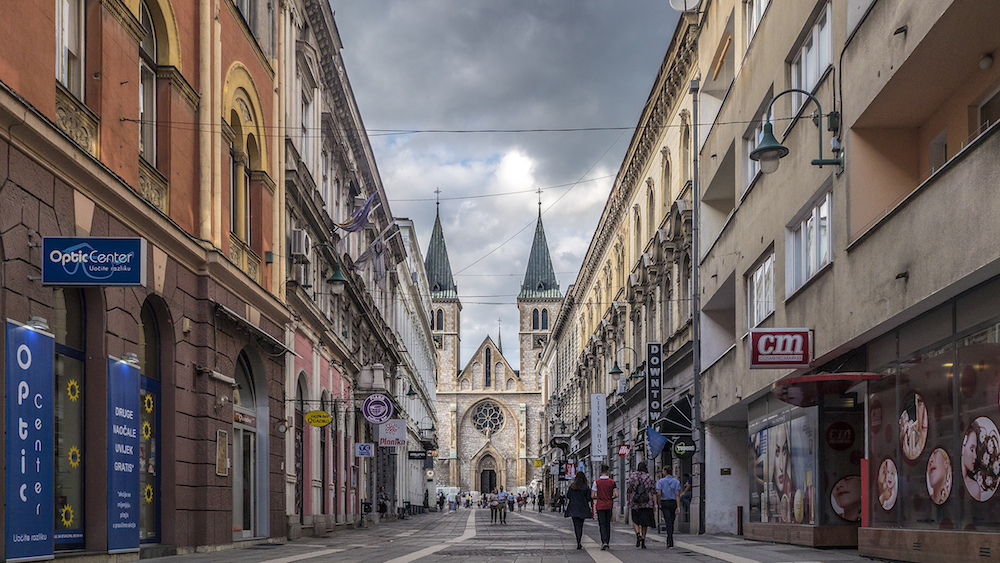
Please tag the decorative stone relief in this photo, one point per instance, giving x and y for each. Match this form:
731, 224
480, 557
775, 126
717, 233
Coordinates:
76, 121
152, 187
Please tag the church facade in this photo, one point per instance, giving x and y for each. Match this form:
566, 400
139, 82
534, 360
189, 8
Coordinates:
489, 414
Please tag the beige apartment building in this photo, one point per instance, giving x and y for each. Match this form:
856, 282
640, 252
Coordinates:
888, 439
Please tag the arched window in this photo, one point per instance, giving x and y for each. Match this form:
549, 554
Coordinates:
638, 232
149, 423
439, 325
665, 182
147, 87
534, 320
69, 328
489, 361
651, 216
545, 319
300, 430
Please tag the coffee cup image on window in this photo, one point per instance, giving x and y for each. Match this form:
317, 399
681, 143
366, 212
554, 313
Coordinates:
913, 426
888, 485
939, 476
846, 498
981, 459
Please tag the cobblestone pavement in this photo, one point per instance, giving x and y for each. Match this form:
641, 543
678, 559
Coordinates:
527, 537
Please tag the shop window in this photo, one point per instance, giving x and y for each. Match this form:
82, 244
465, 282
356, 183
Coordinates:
811, 243
760, 291
149, 426
812, 58
69, 45
70, 450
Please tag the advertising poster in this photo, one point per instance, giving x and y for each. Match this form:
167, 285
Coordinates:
842, 434
123, 457
784, 449
30, 380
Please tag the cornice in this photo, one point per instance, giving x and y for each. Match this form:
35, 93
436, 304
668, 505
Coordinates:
130, 23
180, 84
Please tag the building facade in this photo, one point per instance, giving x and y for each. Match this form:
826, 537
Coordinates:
490, 415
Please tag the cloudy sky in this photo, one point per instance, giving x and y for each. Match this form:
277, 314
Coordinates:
479, 65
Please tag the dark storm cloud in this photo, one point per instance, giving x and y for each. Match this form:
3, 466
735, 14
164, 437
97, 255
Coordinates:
479, 64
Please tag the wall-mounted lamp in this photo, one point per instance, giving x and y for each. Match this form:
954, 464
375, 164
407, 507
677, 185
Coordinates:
222, 402
769, 151
283, 426
411, 393
37, 323
130, 358
562, 428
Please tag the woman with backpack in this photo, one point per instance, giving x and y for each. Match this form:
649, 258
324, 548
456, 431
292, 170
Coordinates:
640, 490
580, 505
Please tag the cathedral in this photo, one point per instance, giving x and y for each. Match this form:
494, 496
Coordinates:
489, 415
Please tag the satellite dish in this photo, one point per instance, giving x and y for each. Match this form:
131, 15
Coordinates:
685, 5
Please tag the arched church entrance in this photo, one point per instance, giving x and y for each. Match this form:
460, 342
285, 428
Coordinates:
487, 474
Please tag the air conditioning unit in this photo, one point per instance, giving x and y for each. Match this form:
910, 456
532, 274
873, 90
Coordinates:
301, 245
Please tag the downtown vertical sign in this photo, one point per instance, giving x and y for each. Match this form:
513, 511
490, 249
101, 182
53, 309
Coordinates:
654, 382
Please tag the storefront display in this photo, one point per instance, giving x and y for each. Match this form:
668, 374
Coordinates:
784, 452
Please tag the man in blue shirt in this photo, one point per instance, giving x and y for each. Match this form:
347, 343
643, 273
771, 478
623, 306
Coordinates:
668, 492
502, 497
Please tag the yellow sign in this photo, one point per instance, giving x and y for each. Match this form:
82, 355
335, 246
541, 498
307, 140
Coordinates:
538, 463
318, 418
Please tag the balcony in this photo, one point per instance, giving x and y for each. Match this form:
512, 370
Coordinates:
244, 258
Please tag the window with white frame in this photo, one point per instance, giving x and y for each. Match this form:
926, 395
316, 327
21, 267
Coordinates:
754, 13
751, 140
69, 45
760, 291
147, 87
812, 58
810, 242
306, 124
325, 183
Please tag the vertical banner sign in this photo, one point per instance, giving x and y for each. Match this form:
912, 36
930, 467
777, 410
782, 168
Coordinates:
123, 456
29, 511
654, 382
598, 425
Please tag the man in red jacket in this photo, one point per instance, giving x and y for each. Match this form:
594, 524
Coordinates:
605, 493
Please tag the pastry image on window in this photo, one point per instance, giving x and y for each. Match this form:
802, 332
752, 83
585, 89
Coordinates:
913, 426
981, 459
939, 476
888, 485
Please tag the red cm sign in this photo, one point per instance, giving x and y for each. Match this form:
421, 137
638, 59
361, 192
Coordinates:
623, 450
780, 348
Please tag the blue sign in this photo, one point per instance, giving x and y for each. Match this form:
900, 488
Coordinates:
123, 456
29, 512
93, 261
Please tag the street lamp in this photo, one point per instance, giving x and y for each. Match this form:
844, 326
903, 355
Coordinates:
411, 393
337, 281
616, 372
770, 151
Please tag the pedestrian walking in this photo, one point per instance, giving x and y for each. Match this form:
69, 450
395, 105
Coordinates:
502, 507
580, 505
668, 492
451, 502
640, 492
494, 503
606, 491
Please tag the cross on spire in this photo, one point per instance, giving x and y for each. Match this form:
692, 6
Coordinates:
539, 201
437, 197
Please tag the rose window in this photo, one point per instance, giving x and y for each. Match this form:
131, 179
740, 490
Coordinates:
488, 418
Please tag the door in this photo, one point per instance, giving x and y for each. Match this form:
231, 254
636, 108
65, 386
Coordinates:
487, 481
244, 477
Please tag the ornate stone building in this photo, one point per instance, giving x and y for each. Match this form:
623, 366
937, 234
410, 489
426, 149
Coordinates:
489, 414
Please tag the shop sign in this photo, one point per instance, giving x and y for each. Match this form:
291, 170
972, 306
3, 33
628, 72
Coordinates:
538, 463
93, 261
684, 448
318, 419
123, 456
392, 434
245, 419
30, 380
377, 408
623, 450
420, 455
554, 468
780, 348
654, 381
570, 470
598, 425
364, 450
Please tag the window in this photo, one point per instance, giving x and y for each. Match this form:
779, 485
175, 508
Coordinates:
751, 140
545, 319
650, 214
440, 320
812, 59
306, 125
70, 450
248, 8
69, 45
534, 320
665, 181
488, 368
147, 88
989, 112
810, 243
760, 291
488, 418
149, 467
754, 13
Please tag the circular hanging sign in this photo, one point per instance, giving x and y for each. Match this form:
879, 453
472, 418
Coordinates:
684, 447
318, 418
377, 408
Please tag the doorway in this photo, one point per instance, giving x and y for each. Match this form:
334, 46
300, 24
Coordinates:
244, 478
487, 481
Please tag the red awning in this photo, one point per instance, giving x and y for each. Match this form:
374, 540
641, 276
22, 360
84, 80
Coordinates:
805, 390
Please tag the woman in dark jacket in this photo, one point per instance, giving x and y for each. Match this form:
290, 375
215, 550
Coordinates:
579, 507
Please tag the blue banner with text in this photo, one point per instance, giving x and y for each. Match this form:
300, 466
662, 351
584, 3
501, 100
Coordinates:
123, 456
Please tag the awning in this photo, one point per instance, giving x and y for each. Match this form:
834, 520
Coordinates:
677, 420
805, 390
254, 329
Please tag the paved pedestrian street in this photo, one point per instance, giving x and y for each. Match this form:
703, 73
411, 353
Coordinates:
527, 537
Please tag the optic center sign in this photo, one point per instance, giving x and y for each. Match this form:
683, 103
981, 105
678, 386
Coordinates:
93, 261
780, 348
